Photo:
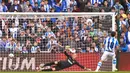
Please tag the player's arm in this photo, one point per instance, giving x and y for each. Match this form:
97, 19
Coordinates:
66, 54
103, 46
117, 47
83, 67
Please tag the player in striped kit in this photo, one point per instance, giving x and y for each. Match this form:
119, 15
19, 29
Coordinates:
111, 46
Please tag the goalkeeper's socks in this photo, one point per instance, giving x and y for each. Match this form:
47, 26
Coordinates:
49, 64
99, 65
47, 69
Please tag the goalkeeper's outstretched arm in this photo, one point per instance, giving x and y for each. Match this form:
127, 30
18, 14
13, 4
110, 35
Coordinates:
83, 67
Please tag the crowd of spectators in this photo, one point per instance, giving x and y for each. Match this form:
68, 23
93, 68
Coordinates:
54, 34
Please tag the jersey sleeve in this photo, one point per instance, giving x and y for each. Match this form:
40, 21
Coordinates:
117, 43
77, 63
104, 41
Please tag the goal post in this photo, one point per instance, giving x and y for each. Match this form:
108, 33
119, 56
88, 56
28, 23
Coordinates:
42, 37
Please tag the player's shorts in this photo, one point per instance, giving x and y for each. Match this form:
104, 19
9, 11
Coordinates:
106, 55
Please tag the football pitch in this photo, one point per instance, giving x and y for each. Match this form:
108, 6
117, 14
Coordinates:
70, 72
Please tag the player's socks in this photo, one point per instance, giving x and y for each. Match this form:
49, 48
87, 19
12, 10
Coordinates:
48, 64
99, 65
114, 63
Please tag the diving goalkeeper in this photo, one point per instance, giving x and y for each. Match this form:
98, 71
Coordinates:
62, 64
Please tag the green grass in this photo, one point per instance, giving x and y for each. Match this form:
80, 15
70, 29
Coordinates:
69, 72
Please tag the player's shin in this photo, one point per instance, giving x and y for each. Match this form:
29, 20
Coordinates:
114, 64
47, 69
49, 64
98, 66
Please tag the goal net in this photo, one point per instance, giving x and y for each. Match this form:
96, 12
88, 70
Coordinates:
36, 38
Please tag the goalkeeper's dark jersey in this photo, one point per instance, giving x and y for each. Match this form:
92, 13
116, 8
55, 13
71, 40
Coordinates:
69, 62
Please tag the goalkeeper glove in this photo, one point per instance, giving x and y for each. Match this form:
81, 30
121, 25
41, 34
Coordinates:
88, 69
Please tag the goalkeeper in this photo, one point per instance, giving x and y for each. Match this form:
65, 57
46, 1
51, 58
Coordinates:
62, 64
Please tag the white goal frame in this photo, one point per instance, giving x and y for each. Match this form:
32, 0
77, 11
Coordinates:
47, 15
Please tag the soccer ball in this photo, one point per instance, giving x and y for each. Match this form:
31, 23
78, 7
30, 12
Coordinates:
11, 55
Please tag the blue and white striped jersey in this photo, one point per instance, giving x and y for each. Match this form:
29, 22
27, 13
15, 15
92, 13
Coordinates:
110, 44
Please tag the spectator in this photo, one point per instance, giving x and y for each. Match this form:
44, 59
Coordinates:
39, 32
49, 33
94, 47
39, 24
1, 7
122, 13
22, 37
0, 1
11, 46
72, 4
53, 45
102, 10
65, 4
76, 9
25, 5
18, 48
42, 9
106, 6
114, 10
82, 32
43, 44
47, 7
128, 21
4, 7
82, 5
122, 25
71, 42
28, 46
13, 31
101, 48
6, 31
92, 32
128, 4
118, 6
1, 33
32, 2
95, 8
68, 10
58, 8
89, 23
8, 4
123, 46
52, 2
3, 42
96, 1
127, 37
88, 49
35, 48
45, 26
36, 8
88, 7
15, 7
42, 3
30, 8
24, 49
